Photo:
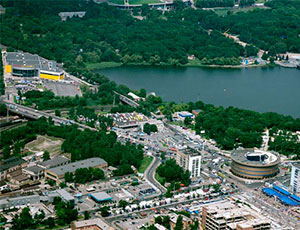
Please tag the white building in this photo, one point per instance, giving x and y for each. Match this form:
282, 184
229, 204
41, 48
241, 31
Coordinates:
295, 177
190, 159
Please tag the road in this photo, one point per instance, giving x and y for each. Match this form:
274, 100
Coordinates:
36, 114
150, 175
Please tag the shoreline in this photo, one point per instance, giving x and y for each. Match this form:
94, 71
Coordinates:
107, 65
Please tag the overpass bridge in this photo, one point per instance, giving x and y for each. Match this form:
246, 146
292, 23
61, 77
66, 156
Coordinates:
127, 100
36, 114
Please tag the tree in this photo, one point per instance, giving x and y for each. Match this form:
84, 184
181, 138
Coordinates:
179, 224
46, 155
86, 215
50, 222
187, 121
123, 204
57, 113
105, 211
24, 221
69, 177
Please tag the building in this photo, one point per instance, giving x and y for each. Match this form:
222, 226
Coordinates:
91, 224
100, 196
58, 173
180, 116
54, 162
254, 163
34, 172
65, 196
185, 221
232, 216
189, 159
10, 166
65, 15
18, 201
20, 64
295, 178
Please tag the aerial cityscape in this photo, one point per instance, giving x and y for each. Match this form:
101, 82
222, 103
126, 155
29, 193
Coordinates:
150, 114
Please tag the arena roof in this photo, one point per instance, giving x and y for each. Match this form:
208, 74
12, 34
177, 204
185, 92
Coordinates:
21, 59
240, 156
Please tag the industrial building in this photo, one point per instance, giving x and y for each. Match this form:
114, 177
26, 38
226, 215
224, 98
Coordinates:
100, 196
54, 162
295, 178
11, 165
18, 201
189, 159
58, 173
20, 64
254, 163
232, 216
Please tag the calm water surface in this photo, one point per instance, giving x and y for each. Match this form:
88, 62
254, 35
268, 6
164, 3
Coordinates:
260, 89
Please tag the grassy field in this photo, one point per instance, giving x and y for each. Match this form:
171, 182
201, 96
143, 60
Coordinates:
43, 143
145, 163
134, 2
102, 65
159, 178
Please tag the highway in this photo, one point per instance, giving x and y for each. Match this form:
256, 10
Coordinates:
36, 114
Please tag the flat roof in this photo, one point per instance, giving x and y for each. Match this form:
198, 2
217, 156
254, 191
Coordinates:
97, 221
35, 169
190, 151
65, 195
54, 162
240, 156
91, 162
21, 59
100, 196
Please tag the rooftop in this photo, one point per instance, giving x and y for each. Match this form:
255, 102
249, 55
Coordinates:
191, 152
101, 196
91, 162
255, 157
30, 60
296, 164
92, 222
11, 162
54, 162
65, 195
35, 169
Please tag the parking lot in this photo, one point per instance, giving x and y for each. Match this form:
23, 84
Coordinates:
63, 89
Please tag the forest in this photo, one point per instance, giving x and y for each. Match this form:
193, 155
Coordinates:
81, 144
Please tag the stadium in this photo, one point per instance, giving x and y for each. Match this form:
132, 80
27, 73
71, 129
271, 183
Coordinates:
254, 163
20, 64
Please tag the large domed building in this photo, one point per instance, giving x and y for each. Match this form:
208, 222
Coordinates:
254, 163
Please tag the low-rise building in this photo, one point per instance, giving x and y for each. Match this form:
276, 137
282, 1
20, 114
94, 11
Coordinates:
92, 224
18, 201
185, 221
11, 165
189, 159
295, 178
54, 162
232, 216
65, 196
57, 173
34, 172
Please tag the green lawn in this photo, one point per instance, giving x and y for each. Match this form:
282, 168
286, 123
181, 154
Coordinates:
134, 2
159, 178
102, 65
145, 163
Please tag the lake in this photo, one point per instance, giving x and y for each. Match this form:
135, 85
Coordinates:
261, 89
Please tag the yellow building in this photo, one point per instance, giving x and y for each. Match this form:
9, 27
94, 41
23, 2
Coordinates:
20, 64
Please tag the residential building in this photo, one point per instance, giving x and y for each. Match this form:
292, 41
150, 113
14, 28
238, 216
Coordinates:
185, 221
228, 215
57, 174
295, 178
11, 165
189, 159
91, 224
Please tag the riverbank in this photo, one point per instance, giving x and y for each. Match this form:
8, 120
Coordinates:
106, 65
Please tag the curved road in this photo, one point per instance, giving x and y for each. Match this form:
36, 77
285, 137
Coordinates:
150, 175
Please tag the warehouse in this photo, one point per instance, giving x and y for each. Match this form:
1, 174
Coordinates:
20, 64
58, 173
254, 163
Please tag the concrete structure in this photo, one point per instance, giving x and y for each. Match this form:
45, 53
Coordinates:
231, 216
54, 162
185, 221
254, 163
100, 196
18, 201
295, 178
180, 116
11, 165
57, 173
189, 159
92, 224
21, 64
65, 15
